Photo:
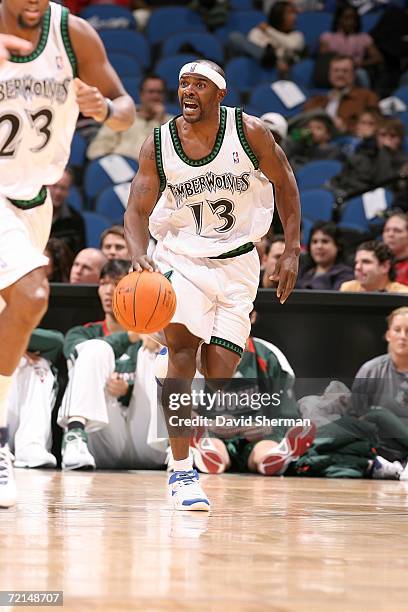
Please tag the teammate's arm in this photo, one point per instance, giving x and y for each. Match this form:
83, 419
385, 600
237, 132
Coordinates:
275, 166
98, 80
144, 193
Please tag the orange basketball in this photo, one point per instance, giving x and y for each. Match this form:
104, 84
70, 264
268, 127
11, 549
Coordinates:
144, 302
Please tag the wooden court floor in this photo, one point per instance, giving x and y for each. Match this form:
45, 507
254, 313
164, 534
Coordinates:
110, 541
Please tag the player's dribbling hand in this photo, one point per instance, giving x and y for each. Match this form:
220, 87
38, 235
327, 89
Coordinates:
13, 43
285, 273
90, 101
143, 262
116, 386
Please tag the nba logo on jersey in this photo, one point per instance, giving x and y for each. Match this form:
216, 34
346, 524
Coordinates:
59, 62
235, 157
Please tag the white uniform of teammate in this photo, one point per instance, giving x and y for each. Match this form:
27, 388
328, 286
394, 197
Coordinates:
37, 121
206, 220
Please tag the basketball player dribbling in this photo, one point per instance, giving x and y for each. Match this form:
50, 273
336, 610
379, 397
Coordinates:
40, 98
204, 190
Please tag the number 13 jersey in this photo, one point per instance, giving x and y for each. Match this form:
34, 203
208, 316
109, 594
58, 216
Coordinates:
38, 111
213, 205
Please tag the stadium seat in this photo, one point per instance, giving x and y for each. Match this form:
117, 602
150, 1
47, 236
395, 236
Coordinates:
74, 198
244, 73
131, 84
232, 98
402, 93
241, 5
170, 20
353, 214
316, 173
126, 65
106, 171
78, 151
111, 202
313, 24
168, 69
203, 42
129, 42
94, 226
317, 204
307, 225
264, 98
239, 21
370, 20
109, 16
302, 73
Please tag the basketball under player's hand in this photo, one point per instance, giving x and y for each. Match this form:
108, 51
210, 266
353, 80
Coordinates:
285, 274
90, 101
9, 43
143, 262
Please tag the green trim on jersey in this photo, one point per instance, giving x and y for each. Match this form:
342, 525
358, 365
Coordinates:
67, 40
159, 158
241, 135
241, 250
217, 146
22, 59
37, 201
230, 346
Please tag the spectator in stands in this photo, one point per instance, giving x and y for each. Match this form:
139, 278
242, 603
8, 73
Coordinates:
278, 125
314, 143
345, 101
372, 167
324, 269
150, 113
365, 132
214, 13
67, 224
87, 267
346, 38
60, 259
113, 244
271, 257
272, 42
111, 393
395, 236
32, 399
380, 397
374, 270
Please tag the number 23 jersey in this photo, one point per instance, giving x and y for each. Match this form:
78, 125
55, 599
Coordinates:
213, 205
38, 111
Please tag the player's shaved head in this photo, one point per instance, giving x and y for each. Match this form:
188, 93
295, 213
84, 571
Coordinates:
212, 65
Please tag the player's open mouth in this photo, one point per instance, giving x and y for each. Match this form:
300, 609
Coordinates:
190, 105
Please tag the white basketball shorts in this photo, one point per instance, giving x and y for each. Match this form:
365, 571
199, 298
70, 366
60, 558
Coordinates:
214, 296
23, 237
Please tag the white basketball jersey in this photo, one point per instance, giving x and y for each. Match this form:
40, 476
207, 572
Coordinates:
213, 205
38, 111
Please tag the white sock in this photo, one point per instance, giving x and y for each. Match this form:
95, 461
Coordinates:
184, 465
5, 384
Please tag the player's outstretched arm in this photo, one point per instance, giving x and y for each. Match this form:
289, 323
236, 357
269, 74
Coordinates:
144, 193
13, 43
275, 166
98, 80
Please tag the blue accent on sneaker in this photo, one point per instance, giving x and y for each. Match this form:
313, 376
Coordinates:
191, 476
190, 502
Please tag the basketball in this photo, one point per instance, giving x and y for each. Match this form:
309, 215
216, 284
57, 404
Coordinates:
144, 302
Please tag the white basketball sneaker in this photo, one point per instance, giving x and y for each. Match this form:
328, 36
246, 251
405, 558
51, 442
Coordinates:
75, 453
34, 456
186, 491
8, 491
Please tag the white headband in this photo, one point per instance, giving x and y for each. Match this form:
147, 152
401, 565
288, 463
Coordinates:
206, 71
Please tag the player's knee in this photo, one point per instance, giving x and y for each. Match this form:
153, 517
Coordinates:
182, 362
30, 298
